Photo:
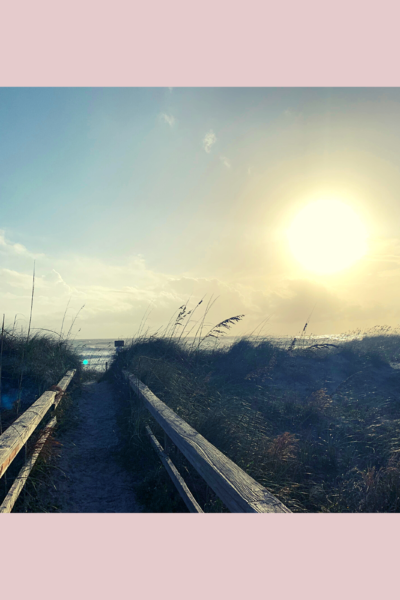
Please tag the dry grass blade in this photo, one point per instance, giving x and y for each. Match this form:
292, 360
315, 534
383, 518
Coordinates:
62, 324
191, 313
217, 330
26, 343
76, 316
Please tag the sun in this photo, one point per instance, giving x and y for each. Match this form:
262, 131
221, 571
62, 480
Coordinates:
327, 236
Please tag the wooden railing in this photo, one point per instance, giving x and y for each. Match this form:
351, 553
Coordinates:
237, 490
18, 433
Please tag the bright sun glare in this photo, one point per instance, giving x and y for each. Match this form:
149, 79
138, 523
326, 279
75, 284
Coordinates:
327, 236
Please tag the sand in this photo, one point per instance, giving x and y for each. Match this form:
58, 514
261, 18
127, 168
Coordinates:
88, 477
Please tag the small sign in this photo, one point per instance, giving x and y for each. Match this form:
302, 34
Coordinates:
118, 343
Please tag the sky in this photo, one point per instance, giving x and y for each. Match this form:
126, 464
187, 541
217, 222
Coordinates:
133, 201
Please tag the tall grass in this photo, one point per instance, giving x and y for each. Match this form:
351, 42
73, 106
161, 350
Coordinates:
318, 424
25, 345
45, 362
29, 365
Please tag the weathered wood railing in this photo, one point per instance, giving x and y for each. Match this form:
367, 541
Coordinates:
18, 433
237, 490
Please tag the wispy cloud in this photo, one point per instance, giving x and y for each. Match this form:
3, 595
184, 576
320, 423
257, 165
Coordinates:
170, 119
226, 162
114, 294
9, 248
117, 295
209, 140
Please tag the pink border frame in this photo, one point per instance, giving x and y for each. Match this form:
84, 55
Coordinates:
218, 43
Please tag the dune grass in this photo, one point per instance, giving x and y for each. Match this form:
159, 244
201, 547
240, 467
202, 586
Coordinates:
30, 365
46, 360
317, 424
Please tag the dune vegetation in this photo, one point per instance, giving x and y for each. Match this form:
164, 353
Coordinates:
316, 423
30, 364
30, 367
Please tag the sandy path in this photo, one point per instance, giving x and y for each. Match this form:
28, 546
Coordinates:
89, 477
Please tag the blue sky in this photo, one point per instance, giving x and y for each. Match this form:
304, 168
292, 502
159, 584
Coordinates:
130, 197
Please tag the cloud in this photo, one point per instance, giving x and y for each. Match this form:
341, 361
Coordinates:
16, 249
53, 277
249, 171
225, 161
116, 296
170, 119
209, 140
14, 279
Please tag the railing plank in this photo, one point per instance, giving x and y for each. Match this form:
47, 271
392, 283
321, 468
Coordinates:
17, 486
238, 491
63, 384
15, 436
176, 477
